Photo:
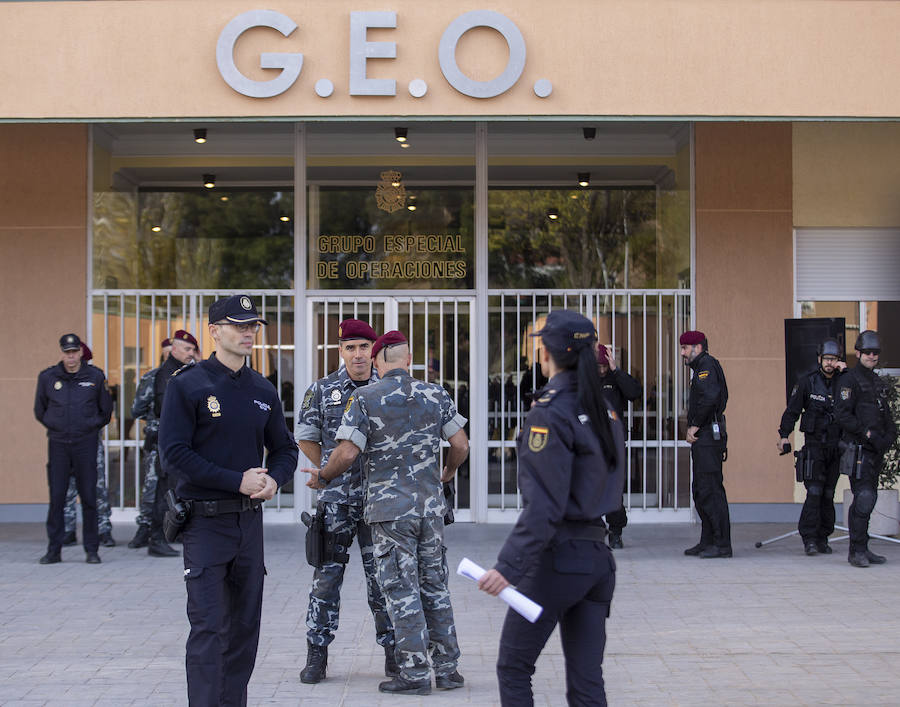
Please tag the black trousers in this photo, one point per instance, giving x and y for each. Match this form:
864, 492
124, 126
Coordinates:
223, 572
817, 516
710, 500
574, 582
159, 501
865, 493
78, 459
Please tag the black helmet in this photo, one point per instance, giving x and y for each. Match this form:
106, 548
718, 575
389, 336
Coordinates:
830, 347
868, 341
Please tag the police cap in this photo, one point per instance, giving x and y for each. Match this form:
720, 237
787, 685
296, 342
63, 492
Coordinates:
692, 338
355, 329
165, 342
868, 341
182, 335
565, 330
69, 342
237, 308
386, 340
830, 347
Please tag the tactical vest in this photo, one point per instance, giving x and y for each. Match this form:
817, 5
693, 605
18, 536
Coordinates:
818, 422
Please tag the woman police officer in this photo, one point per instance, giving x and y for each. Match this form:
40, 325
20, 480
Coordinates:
571, 471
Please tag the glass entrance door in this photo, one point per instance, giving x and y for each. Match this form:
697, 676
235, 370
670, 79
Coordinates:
439, 332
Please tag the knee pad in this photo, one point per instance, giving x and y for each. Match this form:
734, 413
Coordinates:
814, 490
865, 501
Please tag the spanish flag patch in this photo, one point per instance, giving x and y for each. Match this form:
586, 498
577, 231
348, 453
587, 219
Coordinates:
537, 438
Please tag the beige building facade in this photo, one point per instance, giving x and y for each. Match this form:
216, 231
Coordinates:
657, 164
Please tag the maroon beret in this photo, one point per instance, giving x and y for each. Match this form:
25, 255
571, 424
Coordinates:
165, 342
602, 356
692, 338
355, 329
182, 335
86, 354
386, 340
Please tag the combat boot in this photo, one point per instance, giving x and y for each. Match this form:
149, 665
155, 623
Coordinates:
141, 538
158, 547
449, 682
316, 664
106, 540
858, 559
51, 558
70, 539
716, 551
401, 686
875, 559
615, 541
696, 550
810, 548
823, 547
391, 669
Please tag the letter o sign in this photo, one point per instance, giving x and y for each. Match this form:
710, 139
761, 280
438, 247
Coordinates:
447, 53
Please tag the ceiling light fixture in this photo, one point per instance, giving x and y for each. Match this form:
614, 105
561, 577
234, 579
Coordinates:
584, 179
209, 180
223, 198
589, 133
411, 207
553, 214
200, 135
285, 218
156, 229
400, 134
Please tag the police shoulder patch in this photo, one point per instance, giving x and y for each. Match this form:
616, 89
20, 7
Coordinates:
537, 438
845, 393
349, 402
547, 396
703, 375
307, 399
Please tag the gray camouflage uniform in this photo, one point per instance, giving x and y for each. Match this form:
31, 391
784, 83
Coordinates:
398, 424
144, 408
104, 526
342, 504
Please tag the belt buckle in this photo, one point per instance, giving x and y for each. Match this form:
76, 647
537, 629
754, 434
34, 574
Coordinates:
210, 508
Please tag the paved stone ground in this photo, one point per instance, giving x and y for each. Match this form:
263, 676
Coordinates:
768, 627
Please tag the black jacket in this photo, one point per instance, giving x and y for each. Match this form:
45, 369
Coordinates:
814, 396
862, 407
619, 388
72, 405
707, 400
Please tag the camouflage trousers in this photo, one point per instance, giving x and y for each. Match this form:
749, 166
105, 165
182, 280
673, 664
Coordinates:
148, 488
325, 594
411, 567
70, 512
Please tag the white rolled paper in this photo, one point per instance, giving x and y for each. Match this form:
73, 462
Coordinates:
517, 601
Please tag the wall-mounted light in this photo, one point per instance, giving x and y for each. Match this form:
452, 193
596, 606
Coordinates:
156, 229
405, 144
553, 214
584, 179
400, 134
411, 207
209, 180
285, 218
589, 133
200, 135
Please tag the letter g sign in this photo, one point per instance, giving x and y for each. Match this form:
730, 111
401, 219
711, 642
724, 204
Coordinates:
289, 63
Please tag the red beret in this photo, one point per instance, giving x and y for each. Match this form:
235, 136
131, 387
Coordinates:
86, 354
355, 329
182, 335
602, 356
386, 340
165, 342
692, 338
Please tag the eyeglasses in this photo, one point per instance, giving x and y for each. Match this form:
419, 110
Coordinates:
242, 327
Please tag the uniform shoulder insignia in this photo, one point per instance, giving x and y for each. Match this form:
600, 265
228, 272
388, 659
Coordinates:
845, 393
537, 438
703, 375
349, 402
547, 396
307, 399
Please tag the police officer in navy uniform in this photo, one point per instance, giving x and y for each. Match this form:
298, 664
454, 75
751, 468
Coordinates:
217, 418
619, 389
814, 395
708, 439
73, 402
571, 471
864, 414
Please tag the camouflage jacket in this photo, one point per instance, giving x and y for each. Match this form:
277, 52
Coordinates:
143, 407
398, 423
319, 419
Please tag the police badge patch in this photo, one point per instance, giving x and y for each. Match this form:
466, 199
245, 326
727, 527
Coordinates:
845, 393
245, 303
336, 395
307, 399
212, 404
537, 438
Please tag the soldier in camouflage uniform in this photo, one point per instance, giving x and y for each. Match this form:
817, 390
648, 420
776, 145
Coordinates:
147, 405
398, 423
341, 502
104, 526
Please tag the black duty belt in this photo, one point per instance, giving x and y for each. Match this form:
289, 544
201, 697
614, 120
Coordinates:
574, 530
224, 505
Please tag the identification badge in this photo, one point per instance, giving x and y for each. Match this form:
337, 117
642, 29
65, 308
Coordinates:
537, 438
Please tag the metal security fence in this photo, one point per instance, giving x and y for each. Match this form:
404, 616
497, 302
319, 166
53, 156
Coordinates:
126, 330
643, 327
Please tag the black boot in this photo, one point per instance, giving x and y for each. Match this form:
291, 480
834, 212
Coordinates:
615, 541
402, 686
391, 669
449, 682
70, 539
809, 547
106, 540
51, 558
141, 538
696, 550
823, 547
316, 664
158, 547
875, 559
858, 559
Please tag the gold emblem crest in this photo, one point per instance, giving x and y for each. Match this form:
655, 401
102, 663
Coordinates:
212, 404
703, 374
349, 403
537, 438
57, 385
390, 194
845, 393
